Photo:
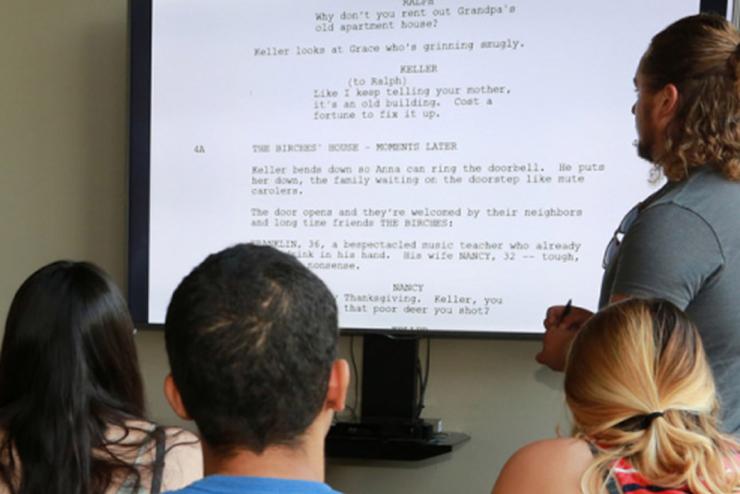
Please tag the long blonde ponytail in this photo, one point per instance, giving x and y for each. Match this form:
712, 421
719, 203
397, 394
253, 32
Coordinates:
639, 387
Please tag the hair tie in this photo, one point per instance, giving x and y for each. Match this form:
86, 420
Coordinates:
639, 422
646, 420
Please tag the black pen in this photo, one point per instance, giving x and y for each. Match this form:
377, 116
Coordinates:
566, 311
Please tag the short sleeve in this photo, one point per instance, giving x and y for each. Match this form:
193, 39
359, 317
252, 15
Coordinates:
670, 252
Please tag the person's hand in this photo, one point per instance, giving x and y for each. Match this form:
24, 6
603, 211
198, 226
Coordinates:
559, 334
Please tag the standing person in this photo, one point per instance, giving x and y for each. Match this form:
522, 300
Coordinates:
72, 417
682, 243
645, 413
251, 337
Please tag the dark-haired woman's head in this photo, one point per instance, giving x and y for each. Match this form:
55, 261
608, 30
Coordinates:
68, 328
68, 371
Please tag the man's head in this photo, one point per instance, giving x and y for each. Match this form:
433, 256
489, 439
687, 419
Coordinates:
688, 105
251, 336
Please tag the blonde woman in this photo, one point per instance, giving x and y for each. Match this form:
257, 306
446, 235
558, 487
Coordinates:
644, 409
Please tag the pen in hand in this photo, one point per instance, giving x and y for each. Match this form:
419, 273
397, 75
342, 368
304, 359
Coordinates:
566, 311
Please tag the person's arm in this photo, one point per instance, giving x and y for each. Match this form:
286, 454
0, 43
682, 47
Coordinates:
559, 333
669, 253
618, 297
544, 467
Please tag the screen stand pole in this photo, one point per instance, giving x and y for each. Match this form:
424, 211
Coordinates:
390, 381
390, 427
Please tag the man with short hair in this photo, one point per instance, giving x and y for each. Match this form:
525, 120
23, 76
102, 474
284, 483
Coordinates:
682, 244
251, 337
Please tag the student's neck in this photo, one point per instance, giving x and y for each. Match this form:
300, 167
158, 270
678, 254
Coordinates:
302, 462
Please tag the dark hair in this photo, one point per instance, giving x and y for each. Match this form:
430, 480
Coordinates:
251, 336
68, 370
699, 55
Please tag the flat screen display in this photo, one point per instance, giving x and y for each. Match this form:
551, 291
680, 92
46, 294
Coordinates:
446, 166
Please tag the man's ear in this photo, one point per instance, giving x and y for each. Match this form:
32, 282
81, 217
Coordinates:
174, 399
666, 103
336, 394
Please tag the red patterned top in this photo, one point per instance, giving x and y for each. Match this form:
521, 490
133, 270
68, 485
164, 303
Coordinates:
632, 482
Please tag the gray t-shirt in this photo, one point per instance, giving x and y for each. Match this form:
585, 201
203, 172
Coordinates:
684, 247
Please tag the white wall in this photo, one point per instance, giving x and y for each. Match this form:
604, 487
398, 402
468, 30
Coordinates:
63, 194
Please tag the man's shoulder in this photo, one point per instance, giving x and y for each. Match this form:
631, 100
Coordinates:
226, 484
694, 192
701, 207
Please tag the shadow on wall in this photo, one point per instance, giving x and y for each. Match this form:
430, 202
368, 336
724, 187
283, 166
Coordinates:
103, 92
553, 380
398, 465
